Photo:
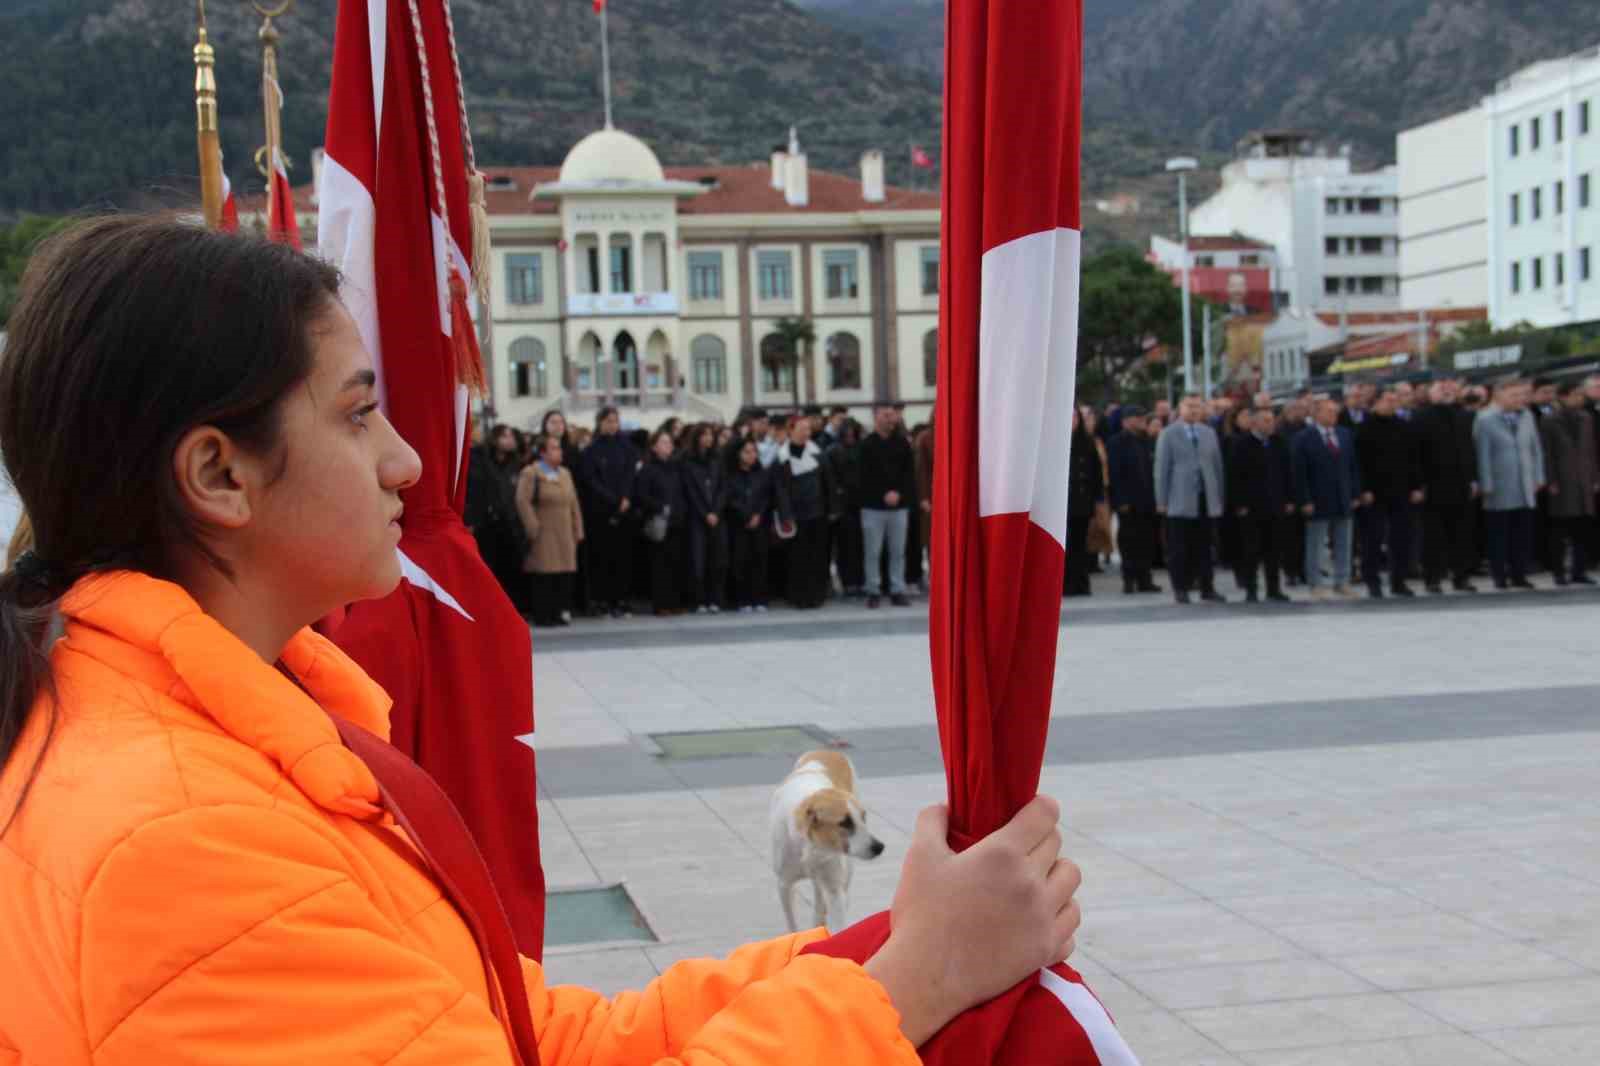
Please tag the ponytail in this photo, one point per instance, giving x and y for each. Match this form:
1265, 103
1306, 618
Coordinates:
27, 616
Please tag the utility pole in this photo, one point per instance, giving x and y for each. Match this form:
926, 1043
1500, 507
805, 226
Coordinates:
1181, 165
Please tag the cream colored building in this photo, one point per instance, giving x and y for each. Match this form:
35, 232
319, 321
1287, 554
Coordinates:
616, 280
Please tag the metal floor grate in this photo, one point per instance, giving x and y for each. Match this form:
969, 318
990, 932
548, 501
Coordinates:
724, 743
594, 916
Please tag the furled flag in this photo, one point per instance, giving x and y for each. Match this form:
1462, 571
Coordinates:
230, 207
1008, 337
599, 5
281, 223
919, 158
394, 216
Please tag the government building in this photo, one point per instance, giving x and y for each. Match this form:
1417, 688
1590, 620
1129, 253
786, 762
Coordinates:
661, 289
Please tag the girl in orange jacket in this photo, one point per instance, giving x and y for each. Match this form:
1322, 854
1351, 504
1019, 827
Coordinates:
193, 868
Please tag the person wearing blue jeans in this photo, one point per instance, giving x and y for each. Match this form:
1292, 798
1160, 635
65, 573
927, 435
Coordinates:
1327, 485
888, 471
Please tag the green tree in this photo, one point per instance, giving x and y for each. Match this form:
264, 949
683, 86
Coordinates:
17, 243
1127, 306
798, 336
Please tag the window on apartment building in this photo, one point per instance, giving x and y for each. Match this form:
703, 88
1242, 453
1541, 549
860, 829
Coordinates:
1538, 272
930, 359
1516, 145
839, 270
1516, 208
621, 268
1583, 117
930, 271
1536, 204
1583, 190
705, 276
524, 279
1205, 260
1561, 268
1371, 205
1333, 205
1330, 286
1533, 134
775, 276
1372, 285
1516, 277
1583, 264
1560, 197
1250, 260
1372, 246
1349, 205
708, 356
1558, 122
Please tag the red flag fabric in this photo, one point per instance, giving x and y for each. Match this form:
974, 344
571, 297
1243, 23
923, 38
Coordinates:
281, 224
229, 223
598, 5
448, 645
1008, 337
919, 158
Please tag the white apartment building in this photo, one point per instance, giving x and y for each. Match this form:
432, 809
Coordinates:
1500, 204
1444, 213
1336, 232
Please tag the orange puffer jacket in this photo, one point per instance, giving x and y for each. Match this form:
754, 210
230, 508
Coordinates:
199, 873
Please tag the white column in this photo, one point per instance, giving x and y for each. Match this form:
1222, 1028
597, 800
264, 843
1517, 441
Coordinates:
604, 239
635, 262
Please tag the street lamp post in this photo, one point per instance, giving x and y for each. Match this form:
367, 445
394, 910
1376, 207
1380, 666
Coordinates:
1181, 166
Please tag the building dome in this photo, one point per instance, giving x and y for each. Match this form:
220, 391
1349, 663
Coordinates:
610, 155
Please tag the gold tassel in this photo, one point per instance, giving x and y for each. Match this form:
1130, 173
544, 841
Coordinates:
478, 204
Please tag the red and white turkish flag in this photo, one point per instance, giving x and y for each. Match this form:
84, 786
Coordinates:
1008, 336
281, 223
229, 221
447, 645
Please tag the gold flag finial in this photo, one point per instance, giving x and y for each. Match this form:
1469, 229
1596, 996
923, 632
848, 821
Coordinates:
206, 129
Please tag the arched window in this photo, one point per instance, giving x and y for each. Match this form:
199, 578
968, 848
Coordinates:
930, 358
710, 358
626, 354
777, 366
530, 372
588, 368
844, 361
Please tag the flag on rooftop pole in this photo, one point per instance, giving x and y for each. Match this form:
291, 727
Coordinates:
1010, 248
400, 213
919, 158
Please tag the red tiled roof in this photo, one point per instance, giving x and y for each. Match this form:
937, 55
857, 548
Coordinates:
733, 191
1234, 243
1404, 318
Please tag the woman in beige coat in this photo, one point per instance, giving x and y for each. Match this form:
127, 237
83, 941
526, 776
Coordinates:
547, 502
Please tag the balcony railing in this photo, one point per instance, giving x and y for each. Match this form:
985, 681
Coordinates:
622, 303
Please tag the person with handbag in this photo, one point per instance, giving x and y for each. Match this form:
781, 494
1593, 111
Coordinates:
547, 503
664, 506
208, 852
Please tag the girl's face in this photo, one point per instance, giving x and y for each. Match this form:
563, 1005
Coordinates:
610, 424
724, 437
662, 447
747, 455
552, 452
325, 530
556, 425
708, 437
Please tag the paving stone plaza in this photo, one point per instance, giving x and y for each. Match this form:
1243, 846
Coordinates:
1310, 834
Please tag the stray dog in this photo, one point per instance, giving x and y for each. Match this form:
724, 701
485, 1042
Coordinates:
818, 826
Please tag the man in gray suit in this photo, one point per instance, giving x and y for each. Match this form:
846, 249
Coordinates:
1189, 494
1510, 475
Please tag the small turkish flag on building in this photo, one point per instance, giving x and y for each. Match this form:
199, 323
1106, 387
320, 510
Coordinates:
919, 158
599, 5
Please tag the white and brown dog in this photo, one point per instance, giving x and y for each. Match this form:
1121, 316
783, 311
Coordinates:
818, 826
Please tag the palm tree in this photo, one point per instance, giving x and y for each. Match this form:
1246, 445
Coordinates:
795, 331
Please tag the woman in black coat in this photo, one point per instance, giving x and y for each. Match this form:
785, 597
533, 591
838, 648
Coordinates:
805, 481
844, 471
704, 482
1085, 488
661, 494
747, 504
611, 521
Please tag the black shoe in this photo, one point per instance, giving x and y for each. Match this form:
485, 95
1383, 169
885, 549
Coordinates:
1560, 581
1521, 583
1500, 584
1151, 586
616, 612
1375, 591
1463, 586
1403, 591
1434, 588
1251, 597
1583, 579
1180, 597
903, 601
1213, 596
1278, 597
873, 602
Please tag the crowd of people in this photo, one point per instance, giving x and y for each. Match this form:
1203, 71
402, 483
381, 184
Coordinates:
703, 517
1381, 485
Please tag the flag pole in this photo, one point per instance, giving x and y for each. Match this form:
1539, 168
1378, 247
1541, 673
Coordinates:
207, 135
271, 100
605, 62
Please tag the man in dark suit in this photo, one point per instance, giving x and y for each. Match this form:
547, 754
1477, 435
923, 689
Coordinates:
1391, 477
1449, 487
1327, 485
1261, 493
1131, 457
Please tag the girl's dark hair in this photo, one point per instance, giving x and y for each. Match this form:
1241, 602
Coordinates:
657, 435
136, 329
600, 417
544, 423
730, 454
